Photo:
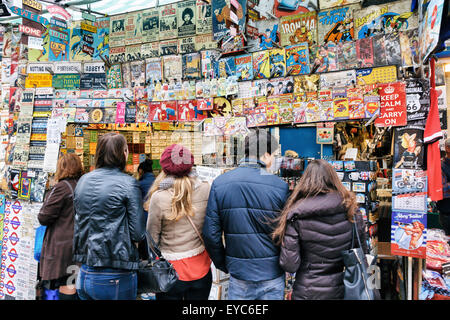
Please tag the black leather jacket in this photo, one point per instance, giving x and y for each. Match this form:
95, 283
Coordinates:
108, 218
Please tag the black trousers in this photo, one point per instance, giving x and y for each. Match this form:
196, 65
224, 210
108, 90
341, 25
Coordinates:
189, 290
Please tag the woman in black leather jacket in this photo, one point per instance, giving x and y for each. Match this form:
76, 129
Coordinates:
109, 221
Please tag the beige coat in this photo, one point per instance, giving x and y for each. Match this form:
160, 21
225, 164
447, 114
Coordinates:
177, 239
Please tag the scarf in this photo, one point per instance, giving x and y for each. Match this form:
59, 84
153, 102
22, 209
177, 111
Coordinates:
168, 182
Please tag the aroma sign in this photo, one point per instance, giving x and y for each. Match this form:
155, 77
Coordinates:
393, 105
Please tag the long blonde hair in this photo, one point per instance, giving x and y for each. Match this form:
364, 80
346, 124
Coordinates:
181, 203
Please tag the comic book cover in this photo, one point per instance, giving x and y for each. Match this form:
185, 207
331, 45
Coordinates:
191, 66
327, 109
208, 58
265, 35
277, 60
364, 53
272, 111
408, 147
371, 105
137, 71
101, 38
299, 28
299, 111
312, 111
337, 79
221, 108
117, 54
417, 98
384, 18
168, 47
346, 55
168, 22
225, 67
204, 17
187, 18
370, 76
173, 67
285, 110
356, 108
36, 55
133, 52
260, 111
237, 105
379, 50
325, 59
341, 108
80, 43
244, 67
297, 59
14, 184
59, 42
261, 65
409, 44
223, 17
114, 76
186, 45
117, 30
306, 83
142, 111
133, 28
392, 48
205, 42
126, 75
82, 115
336, 24
280, 86
150, 25
96, 115
325, 4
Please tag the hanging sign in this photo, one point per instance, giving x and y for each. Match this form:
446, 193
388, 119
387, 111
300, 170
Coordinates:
54, 9
88, 16
88, 27
30, 31
33, 4
59, 35
58, 23
35, 43
29, 15
392, 105
4, 12
38, 80
87, 49
39, 67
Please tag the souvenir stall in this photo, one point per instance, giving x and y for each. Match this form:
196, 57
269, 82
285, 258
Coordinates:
345, 81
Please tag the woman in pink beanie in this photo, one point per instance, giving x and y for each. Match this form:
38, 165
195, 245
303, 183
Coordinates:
176, 208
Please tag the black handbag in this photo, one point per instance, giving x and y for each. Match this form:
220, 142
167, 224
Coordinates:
355, 273
155, 274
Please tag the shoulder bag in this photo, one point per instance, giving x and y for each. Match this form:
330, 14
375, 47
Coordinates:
155, 274
355, 275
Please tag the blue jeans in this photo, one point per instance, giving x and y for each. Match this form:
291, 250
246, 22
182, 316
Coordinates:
95, 283
256, 290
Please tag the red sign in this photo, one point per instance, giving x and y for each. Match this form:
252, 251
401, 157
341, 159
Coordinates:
88, 50
54, 9
30, 31
392, 105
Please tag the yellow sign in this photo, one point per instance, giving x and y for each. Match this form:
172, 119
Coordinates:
33, 4
39, 80
88, 27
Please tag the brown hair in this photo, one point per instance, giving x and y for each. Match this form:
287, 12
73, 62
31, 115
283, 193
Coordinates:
318, 178
181, 198
69, 166
110, 151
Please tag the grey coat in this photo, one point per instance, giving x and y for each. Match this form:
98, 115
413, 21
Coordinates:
317, 232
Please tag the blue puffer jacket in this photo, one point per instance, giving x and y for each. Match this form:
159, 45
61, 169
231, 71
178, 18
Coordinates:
243, 204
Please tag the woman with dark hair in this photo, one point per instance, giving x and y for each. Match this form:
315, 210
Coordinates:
314, 228
109, 222
57, 214
145, 176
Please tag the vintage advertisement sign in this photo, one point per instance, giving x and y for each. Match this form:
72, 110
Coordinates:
186, 45
223, 17
336, 24
150, 50
168, 23
205, 42
101, 38
117, 54
417, 98
409, 234
38, 80
430, 28
299, 28
204, 18
150, 28
133, 28
392, 105
117, 30
186, 11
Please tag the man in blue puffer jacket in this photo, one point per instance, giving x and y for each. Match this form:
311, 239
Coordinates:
243, 204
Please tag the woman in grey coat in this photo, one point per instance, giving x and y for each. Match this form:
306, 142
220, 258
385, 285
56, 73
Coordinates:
313, 229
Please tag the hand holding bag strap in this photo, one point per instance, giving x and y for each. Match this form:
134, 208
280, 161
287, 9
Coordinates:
152, 245
196, 230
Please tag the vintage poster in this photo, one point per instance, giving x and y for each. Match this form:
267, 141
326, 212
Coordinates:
392, 49
221, 108
153, 71
336, 24
346, 55
265, 35
312, 111
417, 98
341, 108
244, 67
325, 59
379, 50
101, 38
150, 25
59, 41
186, 11
223, 18
299, 28
172, 67
409, 43
225, 67
96, 115
208, 58
168, 47
205, 42
261, 65
130, 112
277, 60
337, 79
93, 77
283, 8
325, 4
392, 105
408, 181
150, 50
299, 111
430, 28
133, 28
114, 76
191, 66
38, 55
81, 43
297, 59
306, 83
168, 22
117, 54
120, 113
385, 18
409, 234
364, 53
370, 76
142, 111
285, 110
133, 52
408, 147
165, 111
204, 17
186, 45
66, 81
280, 86
272, 111
117, 30
137, 69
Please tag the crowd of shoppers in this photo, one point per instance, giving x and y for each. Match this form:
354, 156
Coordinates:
246, 223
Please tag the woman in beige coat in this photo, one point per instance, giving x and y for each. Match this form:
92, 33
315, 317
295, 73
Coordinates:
176, 208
